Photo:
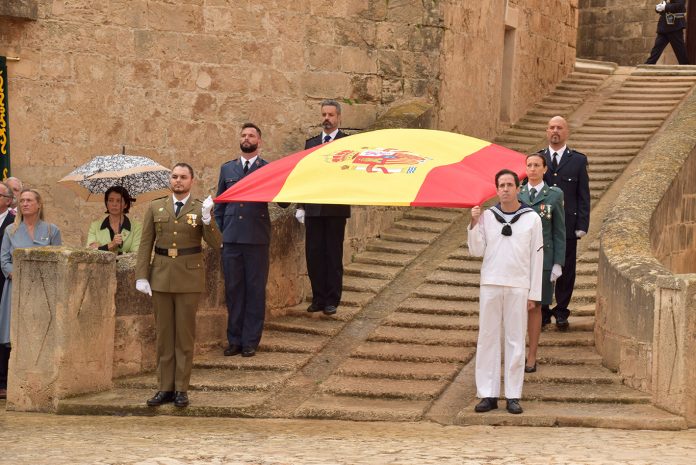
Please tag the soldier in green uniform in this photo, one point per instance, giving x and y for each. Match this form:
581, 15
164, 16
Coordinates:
548, 203
174, 276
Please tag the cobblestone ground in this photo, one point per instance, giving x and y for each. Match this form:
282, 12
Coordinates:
49, 439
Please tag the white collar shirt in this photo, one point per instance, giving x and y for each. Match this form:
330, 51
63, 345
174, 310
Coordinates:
560, 153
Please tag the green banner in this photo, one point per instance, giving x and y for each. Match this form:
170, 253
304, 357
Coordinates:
4, 122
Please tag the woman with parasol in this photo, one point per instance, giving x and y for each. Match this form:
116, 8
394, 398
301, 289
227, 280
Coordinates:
116, 233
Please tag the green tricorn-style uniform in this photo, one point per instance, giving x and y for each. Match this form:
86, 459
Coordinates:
549, 205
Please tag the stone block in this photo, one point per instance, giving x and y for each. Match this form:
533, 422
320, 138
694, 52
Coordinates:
174, 17
23, 9
322, 85
366, 89
358, 60
62, 326
359, 115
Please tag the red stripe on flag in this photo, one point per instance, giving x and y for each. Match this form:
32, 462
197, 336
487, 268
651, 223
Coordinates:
479, 169
266, 186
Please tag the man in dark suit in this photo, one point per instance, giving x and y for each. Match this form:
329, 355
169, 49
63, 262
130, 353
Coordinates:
6, 218
325, 227
174, 277
670, 30
246, 236
568, 171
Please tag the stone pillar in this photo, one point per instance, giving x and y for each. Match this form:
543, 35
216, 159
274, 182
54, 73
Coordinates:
62, 326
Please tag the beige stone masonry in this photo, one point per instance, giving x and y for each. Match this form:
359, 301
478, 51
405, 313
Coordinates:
62, 326
646, 312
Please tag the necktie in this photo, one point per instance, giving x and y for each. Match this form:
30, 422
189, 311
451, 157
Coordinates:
532, 194
554, 162
327, 138
246, 167
178, 208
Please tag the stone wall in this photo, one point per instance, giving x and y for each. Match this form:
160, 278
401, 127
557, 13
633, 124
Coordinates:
646, 313
673, 225
622, 31
477, 77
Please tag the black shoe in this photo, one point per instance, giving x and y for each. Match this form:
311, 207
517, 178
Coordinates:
181, 399
248, 352
162, 397
531, 369
233, 349
330, 310
315, 308
3, 393
486, 404
562, 324
513, 406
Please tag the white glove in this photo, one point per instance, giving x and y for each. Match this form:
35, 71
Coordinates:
299, 214
205, 211
556, 272
579, 234
143, 285
660, 7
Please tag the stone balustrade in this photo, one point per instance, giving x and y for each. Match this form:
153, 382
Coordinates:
646, 306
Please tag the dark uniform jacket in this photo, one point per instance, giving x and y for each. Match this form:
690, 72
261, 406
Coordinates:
241, 222
311, 209
8, 221
549, 205
672, 6
163, 229
572, 178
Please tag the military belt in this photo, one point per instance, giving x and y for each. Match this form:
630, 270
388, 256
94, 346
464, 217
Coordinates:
176, 252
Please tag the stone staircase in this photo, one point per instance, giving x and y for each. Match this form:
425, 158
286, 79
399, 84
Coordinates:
401, 346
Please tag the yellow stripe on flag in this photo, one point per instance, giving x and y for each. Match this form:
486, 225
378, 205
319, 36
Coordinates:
348, 168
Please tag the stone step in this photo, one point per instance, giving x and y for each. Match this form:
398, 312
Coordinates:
439, 307
461, 266
422, 225
384, 258
551, 98
343, 314
611, 155
529, 133
412, 352
641, 104
445, 292
281, 341
429, 214
508, 139
598, 137
559, 355
566, 414
370, 270
589, 257
584, 296
632, 117
413, 237
454, 278
424, 320
530, 126
577, 88
398, 247
327, 406
633, 110
598, 165
360, 284
435, 337
577, 323
603, 176
595, 121
355, 299
572, 374
582, 393
599, 185
649, 93
264, 361
585, 281
132, 402
584, 310
608, 144
210, 379
296, 324
566, 339
383, 388
659, 83
402, 370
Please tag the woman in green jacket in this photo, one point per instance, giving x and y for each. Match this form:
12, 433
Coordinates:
548, 203
116, 233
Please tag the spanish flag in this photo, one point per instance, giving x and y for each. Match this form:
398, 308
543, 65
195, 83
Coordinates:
401, 167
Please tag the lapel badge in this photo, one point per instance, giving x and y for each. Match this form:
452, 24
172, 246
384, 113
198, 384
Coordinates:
191, 219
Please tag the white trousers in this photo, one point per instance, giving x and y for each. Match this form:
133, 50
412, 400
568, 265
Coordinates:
505, 308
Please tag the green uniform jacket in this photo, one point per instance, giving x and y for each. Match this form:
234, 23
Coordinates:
161, 228
549, 205
99, 232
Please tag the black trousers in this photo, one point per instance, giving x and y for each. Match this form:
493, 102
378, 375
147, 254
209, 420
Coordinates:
324, 252
676, 38
246, 272
4, 362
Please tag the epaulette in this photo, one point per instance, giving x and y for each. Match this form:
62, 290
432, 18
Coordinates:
555, 189
313, 137
230, 161
575, 151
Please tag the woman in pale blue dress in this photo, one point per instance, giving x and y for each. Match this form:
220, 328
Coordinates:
29, 230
